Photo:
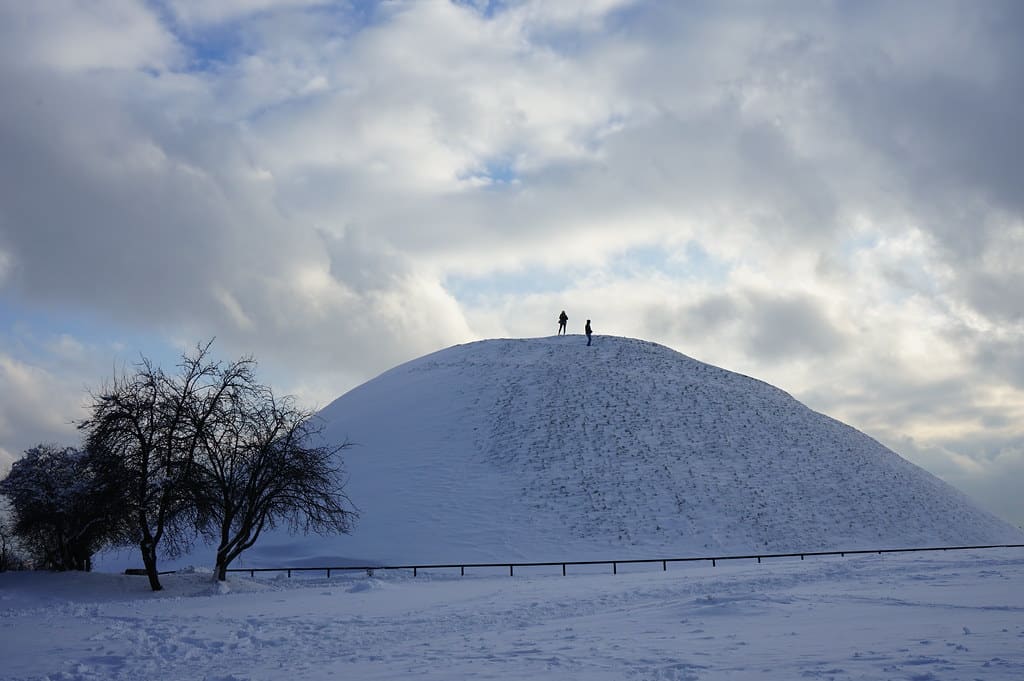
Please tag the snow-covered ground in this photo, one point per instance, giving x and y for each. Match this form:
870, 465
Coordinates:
546, 449
928, 616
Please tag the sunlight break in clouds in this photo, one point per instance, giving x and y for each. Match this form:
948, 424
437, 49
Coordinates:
823, 196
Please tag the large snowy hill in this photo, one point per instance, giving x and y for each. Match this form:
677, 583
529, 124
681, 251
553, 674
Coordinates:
546, 449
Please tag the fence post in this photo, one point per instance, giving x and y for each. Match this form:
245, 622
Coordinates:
712, 562
563, 569
289, 574
510, 574
759, 559
328, 573
664, 566
462, 570
414, 572
615, 568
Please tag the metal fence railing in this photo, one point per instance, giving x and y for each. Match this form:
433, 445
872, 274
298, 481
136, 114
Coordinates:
614, 563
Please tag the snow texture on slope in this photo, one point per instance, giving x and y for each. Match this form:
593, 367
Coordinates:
546, 449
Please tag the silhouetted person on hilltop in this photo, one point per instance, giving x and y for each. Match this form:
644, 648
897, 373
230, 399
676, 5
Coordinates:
587, 330
562, 319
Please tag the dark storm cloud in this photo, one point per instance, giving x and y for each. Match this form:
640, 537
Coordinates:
1000, 360
997, 294
906, 396
769, 327
790, 328
772, 171
950, 121
712, 313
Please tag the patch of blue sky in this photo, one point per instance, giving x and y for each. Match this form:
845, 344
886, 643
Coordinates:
501, 171
495, 172
485, 8
573, 38
214, 47
350, 17
627, 13
211, 46
30, 330
208, 46
658, 20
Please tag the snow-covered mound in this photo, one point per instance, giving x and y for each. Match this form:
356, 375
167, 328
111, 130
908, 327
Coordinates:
546, 449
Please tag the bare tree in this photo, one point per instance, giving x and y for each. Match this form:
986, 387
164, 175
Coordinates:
148, 427
264, 463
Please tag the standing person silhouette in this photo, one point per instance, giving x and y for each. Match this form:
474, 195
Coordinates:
587, 330
562, 319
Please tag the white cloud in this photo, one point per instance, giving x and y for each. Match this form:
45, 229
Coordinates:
72, 36
36, 406
429, 99
844, 175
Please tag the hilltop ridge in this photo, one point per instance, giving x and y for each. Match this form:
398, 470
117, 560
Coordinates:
546, 449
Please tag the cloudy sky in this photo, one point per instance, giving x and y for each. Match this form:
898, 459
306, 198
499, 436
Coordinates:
828, 196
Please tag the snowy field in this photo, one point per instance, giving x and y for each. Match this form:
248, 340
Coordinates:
544, 450
944, 615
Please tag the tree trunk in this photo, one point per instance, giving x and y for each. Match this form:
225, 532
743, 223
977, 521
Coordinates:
149, 560
231, 547
222, 565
